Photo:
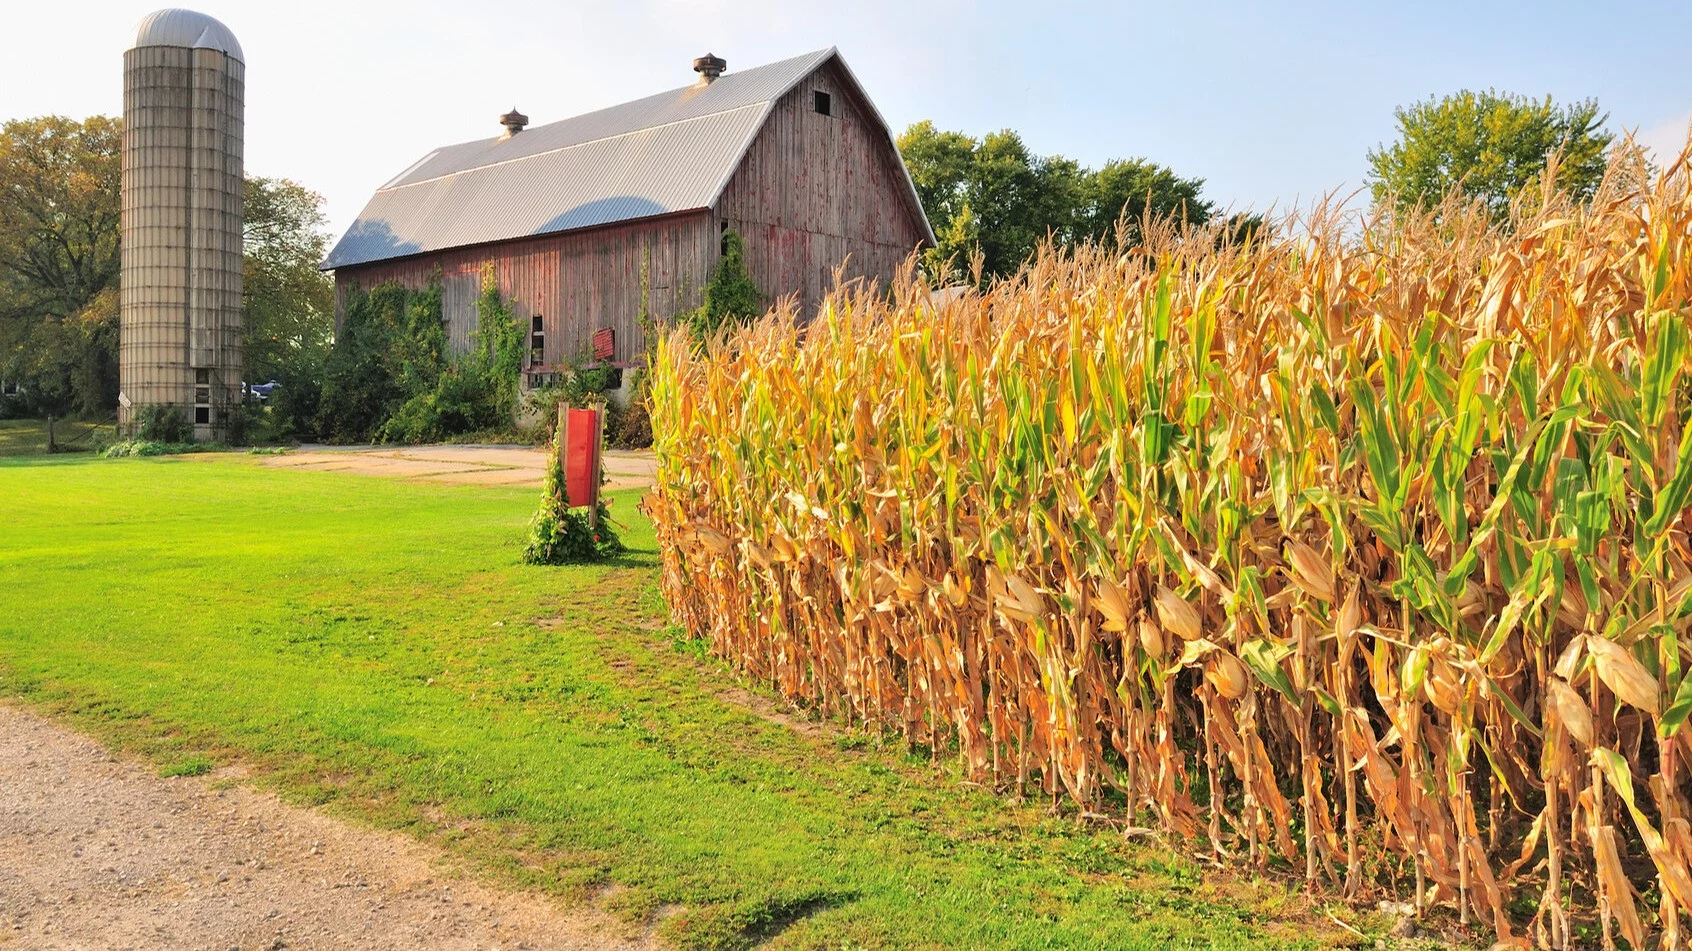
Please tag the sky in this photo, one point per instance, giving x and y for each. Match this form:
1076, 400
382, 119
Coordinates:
1273, 104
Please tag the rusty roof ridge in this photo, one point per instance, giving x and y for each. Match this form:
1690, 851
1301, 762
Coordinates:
763, 104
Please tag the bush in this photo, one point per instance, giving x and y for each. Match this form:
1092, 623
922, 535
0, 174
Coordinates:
731, 296
560, 534
134, 448
295, 405
578, 386
162, 424
1361, 551
391, 378
633, 427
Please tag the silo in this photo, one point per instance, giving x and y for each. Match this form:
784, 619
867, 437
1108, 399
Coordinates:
180, 285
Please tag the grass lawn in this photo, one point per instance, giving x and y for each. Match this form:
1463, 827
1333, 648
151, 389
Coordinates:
28, 437
376, 648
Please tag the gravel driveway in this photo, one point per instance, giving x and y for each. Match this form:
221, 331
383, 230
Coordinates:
99, 852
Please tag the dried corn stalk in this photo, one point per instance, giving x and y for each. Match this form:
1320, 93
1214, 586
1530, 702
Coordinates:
1324, 537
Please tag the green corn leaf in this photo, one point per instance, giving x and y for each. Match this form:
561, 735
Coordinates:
1524, 380
1264, 659
1663, 363
1673, 497
1615, 770
1414, 671
1327, 701
1670, 722
1325, 410
1592, 520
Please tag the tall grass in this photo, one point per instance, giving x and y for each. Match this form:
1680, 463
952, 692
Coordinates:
1361, 550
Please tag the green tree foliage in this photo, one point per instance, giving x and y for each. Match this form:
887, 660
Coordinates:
59, 231
995, 197
1128, 190
289, 302
59, 214
1491, 146
392, 346
66, 365
392, 378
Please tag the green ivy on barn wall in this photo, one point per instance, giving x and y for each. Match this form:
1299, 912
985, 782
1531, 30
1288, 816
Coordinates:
393, 378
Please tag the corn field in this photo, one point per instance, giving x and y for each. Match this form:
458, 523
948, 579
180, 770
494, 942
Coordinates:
1356, 549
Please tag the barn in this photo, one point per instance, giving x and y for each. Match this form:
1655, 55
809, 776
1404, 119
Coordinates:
581, 219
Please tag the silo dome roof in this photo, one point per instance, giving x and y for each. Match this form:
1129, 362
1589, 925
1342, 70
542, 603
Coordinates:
186, 28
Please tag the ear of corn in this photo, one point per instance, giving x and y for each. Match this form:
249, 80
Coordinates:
1326, 538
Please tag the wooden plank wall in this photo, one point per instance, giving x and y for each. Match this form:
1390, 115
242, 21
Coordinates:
814, 191
578, 282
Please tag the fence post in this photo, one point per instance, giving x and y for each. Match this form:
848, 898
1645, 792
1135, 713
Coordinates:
598, 466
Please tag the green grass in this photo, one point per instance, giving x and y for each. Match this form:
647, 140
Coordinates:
192, 766
28, 437
376, 648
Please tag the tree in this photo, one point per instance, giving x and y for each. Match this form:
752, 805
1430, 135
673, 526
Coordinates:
59, 214
1489, 146
995, 196
289, 303
1127, 190
59, 231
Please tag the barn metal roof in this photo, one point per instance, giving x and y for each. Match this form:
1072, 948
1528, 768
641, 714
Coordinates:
671, 152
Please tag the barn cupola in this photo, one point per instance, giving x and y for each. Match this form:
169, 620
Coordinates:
514, 122
709, 67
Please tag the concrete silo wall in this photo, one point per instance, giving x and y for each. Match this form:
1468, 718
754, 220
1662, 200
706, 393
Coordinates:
181, 255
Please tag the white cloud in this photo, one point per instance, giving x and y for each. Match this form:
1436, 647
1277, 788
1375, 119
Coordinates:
1665, 139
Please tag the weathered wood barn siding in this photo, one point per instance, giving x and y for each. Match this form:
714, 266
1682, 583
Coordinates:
578, 281
816, 191
809, 193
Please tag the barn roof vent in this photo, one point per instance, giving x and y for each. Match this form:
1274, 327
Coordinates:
709, 67
513, 121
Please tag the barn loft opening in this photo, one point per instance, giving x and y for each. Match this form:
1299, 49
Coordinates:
825, 104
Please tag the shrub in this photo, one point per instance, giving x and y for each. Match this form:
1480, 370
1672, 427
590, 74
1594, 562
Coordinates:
580, 386
162, 424
134, 448
1330, 538
633, 429
391, 377
560, 534
731, 296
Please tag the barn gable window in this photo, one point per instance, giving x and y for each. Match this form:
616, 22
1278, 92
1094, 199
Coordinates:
825, 104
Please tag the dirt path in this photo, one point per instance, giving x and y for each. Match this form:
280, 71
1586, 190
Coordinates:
97, 852
478, 465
